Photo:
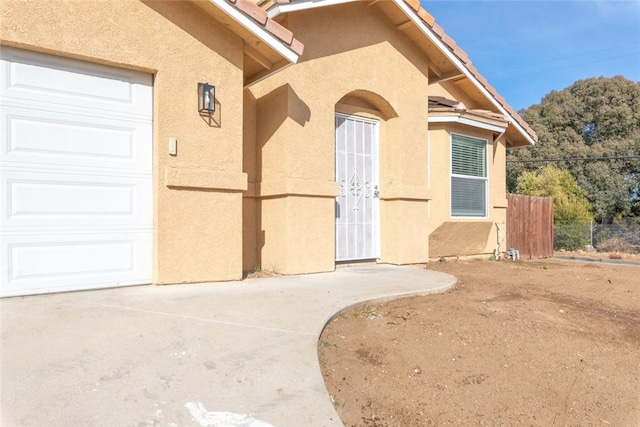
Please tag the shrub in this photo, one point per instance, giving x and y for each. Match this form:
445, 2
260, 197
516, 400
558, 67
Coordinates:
615, 244
572, 236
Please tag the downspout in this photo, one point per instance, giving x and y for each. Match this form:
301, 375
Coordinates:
497, 254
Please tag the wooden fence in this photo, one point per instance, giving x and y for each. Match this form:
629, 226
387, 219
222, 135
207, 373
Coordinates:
530, 226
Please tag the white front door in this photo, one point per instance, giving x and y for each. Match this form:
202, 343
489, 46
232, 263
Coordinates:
75, 174
357, 205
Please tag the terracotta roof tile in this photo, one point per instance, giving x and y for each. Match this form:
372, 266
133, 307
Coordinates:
260, 16
437, 29
279, 31
484, 82
472, 69
297, 46
415, 4
426, 17
461, 54
441, 101
448, 41
252, 10
464, 58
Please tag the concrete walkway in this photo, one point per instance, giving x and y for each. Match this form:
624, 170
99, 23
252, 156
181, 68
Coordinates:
219, 354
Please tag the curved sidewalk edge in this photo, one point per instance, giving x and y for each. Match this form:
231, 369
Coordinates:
438, 283
186, 355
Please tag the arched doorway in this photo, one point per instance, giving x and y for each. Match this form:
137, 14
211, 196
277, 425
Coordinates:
357, 171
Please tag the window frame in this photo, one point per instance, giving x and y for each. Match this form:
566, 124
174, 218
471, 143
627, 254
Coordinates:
485, 178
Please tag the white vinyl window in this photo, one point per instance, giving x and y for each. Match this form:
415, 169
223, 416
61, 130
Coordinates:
468, 177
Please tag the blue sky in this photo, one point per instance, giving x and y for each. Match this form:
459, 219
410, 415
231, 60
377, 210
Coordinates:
527, 48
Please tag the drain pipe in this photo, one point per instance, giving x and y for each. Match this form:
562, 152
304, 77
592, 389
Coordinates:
497, 254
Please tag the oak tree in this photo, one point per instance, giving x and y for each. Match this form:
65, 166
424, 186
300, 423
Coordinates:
592, 119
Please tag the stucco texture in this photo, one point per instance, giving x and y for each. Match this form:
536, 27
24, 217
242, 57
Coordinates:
198, 193
254, 186
440, 179
355, 61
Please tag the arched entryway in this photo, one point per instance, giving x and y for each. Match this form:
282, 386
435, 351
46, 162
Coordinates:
357, 172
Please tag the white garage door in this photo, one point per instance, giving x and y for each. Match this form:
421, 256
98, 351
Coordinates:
75, 175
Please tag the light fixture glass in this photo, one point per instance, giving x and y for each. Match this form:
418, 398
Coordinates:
206, 98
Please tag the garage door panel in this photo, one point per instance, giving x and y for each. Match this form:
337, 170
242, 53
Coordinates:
57, 199
61, 263
75, 175
54, 138
43, 79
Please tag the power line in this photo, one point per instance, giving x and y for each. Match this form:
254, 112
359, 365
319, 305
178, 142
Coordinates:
571, 159
564, 67
561, 58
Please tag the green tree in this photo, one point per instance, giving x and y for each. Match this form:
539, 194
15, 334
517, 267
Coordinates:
597, 117
635, 191
571, 210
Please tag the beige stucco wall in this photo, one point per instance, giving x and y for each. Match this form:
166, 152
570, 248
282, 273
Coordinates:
439, 176
440, 164
198, 193
254, 187
348, 48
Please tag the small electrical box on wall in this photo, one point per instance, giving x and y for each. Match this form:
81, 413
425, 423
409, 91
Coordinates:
173, 146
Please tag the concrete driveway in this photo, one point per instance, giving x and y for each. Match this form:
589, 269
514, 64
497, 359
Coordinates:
217, 354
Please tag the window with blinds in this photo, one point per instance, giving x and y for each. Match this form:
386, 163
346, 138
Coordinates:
468, 176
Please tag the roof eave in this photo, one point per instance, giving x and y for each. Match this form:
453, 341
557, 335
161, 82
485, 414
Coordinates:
281, 8
289, 52
467, 119
409, 11
413, 12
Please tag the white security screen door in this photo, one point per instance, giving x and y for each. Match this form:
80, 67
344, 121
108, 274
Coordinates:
357, 204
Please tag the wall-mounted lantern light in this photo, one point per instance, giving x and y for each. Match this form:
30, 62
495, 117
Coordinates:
206, 98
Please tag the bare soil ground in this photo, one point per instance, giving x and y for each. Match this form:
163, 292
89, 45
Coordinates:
601, 255
543, 343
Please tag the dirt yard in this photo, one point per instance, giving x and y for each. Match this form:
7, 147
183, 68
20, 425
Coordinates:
545, 343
